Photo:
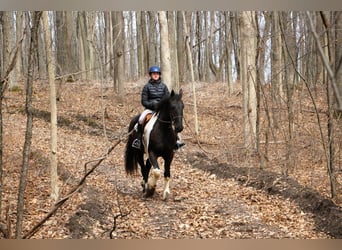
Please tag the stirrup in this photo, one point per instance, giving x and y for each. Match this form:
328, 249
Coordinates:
136, 144
179, 144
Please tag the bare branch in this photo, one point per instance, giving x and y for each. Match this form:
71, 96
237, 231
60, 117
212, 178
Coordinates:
326, 63
74, 190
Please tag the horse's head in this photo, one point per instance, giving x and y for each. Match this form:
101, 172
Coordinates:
176, 110
170, 110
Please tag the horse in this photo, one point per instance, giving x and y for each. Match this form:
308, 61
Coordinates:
165, 123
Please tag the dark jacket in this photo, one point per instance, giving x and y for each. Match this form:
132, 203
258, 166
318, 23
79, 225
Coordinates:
153, 92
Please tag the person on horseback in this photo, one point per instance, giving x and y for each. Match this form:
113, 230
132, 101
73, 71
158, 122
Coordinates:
153, 91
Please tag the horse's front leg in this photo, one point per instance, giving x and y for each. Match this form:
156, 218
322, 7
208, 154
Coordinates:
152, 181
167, 176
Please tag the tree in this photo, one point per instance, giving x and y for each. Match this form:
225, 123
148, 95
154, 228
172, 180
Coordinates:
4, 76
276, 75
173, 49
192, 77
9, 44
29, 122
335, 185
65, 44
228, 48
152, 41
119, 52
53, 108
180, 46
248, 76
165, 49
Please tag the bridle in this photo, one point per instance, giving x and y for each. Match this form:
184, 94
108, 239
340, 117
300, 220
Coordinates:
173, 118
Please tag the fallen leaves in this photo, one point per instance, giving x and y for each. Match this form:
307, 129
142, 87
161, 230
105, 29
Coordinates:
202, 203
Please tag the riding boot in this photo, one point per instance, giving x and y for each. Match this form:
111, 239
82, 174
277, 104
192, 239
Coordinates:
137, 142
179, 143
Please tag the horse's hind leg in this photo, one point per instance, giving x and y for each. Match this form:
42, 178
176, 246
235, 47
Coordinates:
145, 170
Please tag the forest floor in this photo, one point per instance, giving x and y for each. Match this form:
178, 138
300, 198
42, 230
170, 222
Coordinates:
218, 189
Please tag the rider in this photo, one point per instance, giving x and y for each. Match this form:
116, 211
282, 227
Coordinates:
153, 91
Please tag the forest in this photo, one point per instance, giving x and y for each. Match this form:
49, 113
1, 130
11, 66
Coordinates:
262, 124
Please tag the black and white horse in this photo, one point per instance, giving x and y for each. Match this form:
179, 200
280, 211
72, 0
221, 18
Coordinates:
159, 140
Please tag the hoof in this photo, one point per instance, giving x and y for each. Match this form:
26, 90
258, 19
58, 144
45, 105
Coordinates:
166, 195
143, 185
149, 192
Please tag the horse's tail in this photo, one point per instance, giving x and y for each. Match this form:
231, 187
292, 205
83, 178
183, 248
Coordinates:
131, 162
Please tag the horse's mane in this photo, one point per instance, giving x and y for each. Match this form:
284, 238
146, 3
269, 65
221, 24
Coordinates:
166, 99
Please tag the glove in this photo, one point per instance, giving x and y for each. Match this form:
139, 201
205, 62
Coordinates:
154, 104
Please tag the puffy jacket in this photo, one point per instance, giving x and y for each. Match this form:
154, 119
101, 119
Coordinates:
152, 93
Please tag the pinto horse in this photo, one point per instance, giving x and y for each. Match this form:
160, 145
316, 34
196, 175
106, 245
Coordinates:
159, 140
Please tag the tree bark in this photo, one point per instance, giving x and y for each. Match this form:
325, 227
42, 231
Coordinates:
152, 42
53, 109
180, 46
9, 44
173, 50
119, 50
29, 123
248, 77
192, 77
165, 50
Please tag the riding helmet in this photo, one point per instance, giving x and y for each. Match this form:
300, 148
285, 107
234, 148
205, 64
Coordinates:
154, 69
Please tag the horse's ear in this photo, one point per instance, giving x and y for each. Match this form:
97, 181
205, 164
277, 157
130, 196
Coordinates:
172, 93
180, 93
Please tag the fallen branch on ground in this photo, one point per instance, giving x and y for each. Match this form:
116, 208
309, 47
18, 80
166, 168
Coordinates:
59, 203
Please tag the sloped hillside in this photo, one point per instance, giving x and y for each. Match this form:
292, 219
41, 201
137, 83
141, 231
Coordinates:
218, 189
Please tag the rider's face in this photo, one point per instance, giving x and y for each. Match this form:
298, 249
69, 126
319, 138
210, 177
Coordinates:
155, 76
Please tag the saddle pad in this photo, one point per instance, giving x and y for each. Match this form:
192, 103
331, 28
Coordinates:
147, 130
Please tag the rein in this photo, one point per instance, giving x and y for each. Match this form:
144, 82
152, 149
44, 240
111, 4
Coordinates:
172, 119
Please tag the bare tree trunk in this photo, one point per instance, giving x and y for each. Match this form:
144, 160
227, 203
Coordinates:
132, 46
216, 70
145, 42
4, 75
119, 46
276, 75
2, 91
165, 50
53, 108
180, 46
140, 45
335, 185
41, 56
83, 45
29, 123
108, 44
152, 43
199, 34
248, 76
173, 50
9, 44
64, 43
207, 45
2, 85
290, 56
338, 50
235, 42
192, 77
91, 45
228, 48
19, 35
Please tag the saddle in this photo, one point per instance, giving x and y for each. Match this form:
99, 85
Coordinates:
147, 118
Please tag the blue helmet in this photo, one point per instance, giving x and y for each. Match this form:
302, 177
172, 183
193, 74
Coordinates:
154, 69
